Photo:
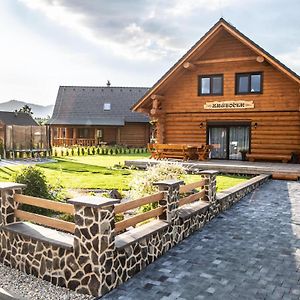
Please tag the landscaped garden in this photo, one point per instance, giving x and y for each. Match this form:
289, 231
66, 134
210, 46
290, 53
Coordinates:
101, 172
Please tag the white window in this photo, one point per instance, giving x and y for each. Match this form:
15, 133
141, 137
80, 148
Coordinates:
106, 106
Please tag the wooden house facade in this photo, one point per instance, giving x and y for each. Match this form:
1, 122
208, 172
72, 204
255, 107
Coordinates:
91, 116
228, 92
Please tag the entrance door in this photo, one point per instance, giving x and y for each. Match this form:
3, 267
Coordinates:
228, 141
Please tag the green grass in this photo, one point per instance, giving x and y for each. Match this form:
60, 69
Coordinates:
98, 172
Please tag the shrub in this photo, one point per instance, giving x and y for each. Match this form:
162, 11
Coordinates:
35, 180
143, 185
82, 151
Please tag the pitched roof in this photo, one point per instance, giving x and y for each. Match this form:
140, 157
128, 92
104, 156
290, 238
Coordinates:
16, 118
78, 105
222, 23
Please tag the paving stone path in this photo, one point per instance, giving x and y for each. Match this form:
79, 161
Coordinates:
250, 252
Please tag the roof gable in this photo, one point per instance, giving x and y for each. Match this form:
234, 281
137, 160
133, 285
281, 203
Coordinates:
201, 48
77, 105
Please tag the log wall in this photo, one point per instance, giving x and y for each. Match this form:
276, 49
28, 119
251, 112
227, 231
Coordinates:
276, 110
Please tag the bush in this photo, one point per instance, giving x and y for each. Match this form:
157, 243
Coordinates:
143, 185
35, 180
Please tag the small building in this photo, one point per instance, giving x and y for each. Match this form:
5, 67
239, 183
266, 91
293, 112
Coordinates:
19, 133
228, 92
90, 116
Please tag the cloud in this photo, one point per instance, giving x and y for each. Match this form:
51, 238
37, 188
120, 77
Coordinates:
135, 29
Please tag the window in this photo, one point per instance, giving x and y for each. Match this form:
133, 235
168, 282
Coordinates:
249, 83
83, 133
106, 106
210, 85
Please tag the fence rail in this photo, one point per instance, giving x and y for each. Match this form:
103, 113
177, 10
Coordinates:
122, 225
123, 207
44, 203
191, 198
43, 220
46, 221
189, 187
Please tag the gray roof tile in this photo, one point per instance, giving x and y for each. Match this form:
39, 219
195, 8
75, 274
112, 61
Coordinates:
84, 105
16, 118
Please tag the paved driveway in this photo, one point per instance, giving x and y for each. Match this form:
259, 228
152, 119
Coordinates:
250, 252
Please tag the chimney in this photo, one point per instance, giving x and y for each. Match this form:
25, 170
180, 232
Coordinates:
108, 83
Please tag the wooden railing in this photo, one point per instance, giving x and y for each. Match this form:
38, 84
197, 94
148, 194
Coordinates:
71, 142
193, 197
43, 220
132, 221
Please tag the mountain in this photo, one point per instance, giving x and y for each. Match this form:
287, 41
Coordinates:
39, 111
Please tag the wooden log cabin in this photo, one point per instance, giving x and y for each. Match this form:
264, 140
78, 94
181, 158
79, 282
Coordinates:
90, 116
229, 92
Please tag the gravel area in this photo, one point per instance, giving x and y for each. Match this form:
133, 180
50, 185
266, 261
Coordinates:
31, 288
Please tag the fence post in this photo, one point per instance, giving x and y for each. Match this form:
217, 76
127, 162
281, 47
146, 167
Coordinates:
171, 199
210, 188
8, 205
94, 244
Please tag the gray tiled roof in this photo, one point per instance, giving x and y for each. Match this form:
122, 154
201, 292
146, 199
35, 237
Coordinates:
76, 105
16, 118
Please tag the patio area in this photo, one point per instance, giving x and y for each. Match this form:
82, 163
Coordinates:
226, 166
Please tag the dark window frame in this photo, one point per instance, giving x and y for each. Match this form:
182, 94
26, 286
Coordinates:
210, 84
248, 74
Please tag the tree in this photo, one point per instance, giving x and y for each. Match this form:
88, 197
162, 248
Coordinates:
26, 109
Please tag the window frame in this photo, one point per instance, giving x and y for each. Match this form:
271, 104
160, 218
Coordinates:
248, 74
211, 76
106, 106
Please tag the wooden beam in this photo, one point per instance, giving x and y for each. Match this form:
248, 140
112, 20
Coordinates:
189, 66
157, 97
123, 207
46, 221
44, 203
221, 60
155, 104
119, 226
143, 110
260, 59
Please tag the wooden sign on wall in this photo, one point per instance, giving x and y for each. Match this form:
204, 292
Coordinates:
241, 104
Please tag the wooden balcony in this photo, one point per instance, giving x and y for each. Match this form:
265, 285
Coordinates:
65, 142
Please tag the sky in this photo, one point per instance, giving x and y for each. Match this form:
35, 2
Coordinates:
48, 43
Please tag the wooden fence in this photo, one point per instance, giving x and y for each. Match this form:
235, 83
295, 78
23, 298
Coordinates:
44, 220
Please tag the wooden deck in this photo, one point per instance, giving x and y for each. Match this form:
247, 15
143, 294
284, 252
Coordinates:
226, 166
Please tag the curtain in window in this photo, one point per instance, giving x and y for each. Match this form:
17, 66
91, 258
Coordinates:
238, 140
218, 138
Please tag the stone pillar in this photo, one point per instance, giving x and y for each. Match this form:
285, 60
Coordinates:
211, 191
94, 244
8, 205
171, 199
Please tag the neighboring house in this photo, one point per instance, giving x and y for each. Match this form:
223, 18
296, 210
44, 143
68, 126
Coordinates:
8, 118
229, 92
91, 116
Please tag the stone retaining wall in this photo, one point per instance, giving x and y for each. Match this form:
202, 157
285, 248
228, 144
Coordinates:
94, 260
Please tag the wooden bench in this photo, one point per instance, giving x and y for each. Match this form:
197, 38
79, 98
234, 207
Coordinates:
172, 151
204, 151
273, 157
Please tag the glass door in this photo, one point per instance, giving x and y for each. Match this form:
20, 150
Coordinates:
228, 141
238, 141
218, 138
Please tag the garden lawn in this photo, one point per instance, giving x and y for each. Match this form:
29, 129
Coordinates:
102, 172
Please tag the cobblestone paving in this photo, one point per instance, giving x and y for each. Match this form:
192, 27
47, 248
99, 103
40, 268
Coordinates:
252, 251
